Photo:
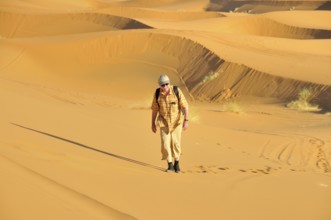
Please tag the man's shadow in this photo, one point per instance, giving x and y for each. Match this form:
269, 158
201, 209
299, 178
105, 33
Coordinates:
94, 149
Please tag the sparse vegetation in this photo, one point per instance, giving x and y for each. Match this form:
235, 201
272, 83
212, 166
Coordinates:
232, 106
237, 10
303, 101
194, 115
210, 76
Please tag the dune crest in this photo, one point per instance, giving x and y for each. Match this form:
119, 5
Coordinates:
39, 25
204, 76
262, 6
145, 13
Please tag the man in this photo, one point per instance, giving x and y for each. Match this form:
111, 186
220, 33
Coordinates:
168, 104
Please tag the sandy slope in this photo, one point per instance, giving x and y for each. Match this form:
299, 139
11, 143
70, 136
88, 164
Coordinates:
261, 6
76, 83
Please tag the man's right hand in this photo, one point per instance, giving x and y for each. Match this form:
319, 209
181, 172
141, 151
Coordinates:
154, 129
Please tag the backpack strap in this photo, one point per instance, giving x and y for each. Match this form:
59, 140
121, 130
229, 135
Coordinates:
176, 92
157, 94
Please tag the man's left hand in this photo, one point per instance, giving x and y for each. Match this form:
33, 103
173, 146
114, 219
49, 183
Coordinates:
185, 125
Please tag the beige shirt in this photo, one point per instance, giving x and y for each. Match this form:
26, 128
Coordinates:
169, 109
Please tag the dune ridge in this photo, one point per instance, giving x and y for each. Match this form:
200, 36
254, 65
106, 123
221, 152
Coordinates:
317, 19
262, 6
251, 25
23, 25
239, 79
39, 6
277, 29
16, 25
139, 13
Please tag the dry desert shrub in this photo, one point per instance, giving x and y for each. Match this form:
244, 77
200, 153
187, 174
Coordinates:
210, 76
232, 106
303, 101
194, 116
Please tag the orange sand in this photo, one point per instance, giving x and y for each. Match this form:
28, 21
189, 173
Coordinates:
77, 79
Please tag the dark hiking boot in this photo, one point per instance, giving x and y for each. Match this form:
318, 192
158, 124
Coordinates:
170, 168
176, 167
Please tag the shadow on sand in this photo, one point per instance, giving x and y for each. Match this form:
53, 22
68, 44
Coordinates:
94, 149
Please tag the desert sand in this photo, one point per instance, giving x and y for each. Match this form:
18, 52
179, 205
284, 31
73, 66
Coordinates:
77, 79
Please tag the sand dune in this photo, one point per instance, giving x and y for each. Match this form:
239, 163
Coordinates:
39, 6
317, 19
32, 25
55, 194
159, 14
256, 6
197, 76
256, 25
77, 79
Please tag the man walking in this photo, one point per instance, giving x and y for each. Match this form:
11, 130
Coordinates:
169, 104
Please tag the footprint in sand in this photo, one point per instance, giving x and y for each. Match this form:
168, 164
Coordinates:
263, 171
206, 169
215, 170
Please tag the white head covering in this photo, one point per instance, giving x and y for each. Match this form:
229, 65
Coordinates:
163, 79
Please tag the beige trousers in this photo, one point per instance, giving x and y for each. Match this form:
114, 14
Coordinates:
170, 143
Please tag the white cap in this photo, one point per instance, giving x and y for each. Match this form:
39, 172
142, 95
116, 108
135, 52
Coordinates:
163, 79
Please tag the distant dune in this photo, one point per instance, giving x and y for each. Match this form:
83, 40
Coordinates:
36, 25
261, 6
191, 71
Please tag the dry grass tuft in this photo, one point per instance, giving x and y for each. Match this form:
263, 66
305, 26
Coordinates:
232, 106
303, 102
210, 76
194, 116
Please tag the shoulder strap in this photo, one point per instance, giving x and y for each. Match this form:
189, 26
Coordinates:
176, 92
157, 94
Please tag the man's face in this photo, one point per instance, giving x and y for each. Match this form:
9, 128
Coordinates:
165, 87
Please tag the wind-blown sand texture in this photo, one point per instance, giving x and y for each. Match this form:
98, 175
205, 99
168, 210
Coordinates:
77, 79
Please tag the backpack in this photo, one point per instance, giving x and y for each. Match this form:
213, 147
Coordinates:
157, 94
